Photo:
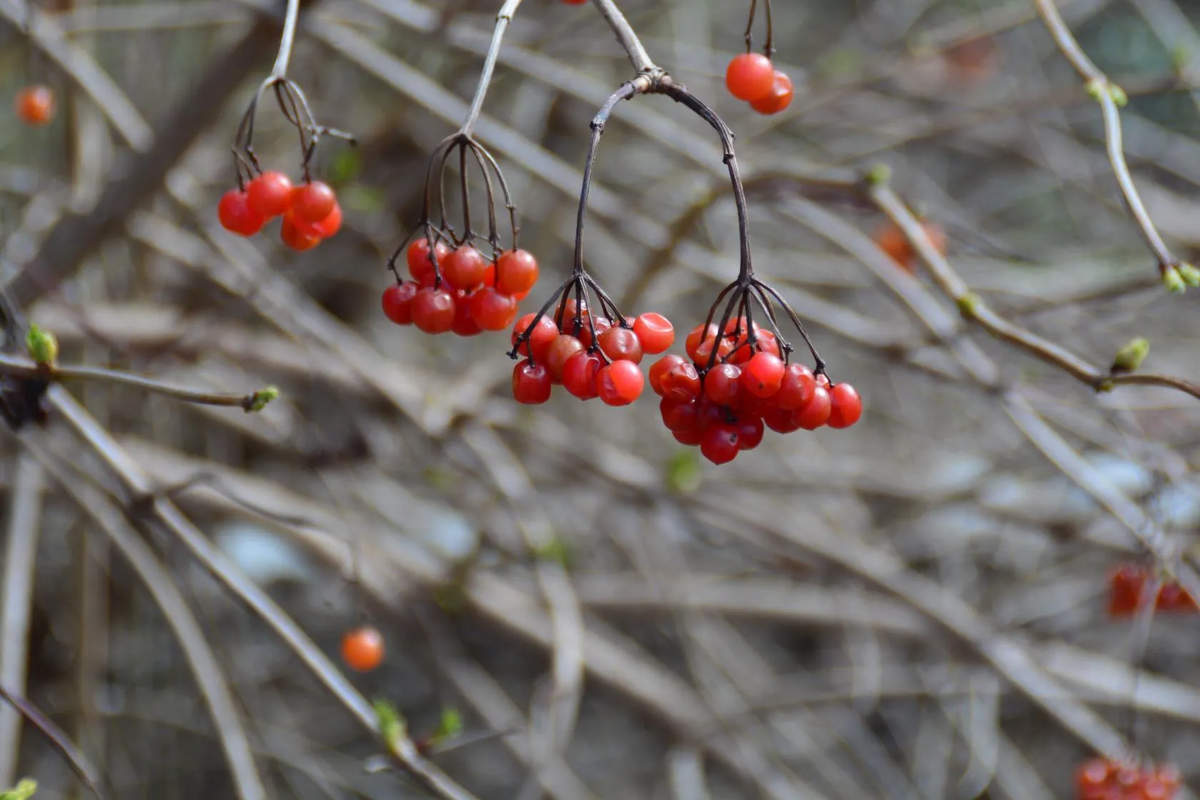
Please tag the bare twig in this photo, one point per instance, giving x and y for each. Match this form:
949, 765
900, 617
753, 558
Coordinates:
630, 43
286, 41
503, 18
78, 762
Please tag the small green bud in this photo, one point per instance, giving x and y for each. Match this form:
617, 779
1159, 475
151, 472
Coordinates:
554, 549
391, 724
23, 791
1118, 95
1179, 58
1190, 275
42, 345
259, 400
1131, 356
879, 175
968, 304
1095, 89
1174, 281
449, 727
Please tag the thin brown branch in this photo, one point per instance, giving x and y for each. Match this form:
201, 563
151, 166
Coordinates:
78, 762
503, 18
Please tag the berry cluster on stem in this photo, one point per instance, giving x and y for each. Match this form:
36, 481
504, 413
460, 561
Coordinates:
1134, 586
752, 77
1105, 779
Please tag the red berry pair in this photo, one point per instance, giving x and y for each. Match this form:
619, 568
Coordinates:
748, 388
590, 356
1102, 779
34, 105
310, 210
460, 290
1128, 584
753, 78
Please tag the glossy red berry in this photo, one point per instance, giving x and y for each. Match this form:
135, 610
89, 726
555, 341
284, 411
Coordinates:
845, 406
750, 77
720, 443
575, 315
679, 416
34, 105
762, 375
815, 412
579, 374
593, 327
660, 368
796, 387
362, 648
621, 344
294, 237
270, 194
433, 310
235, 215
779, 98
681, 382
420, 265
492, 310
655, 333
465, 323
750, 432
722, 384
562, 348
313, 202
530, 383
780, 420
619, 383
397, 302
516, 272
324, 228
540, 337
464, 268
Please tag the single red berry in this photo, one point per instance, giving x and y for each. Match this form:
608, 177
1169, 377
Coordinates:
1093, 775
845, 406
362, 648
780, 420
465, 323
691, 437
699, 335
750, 77
619, 383
235, 215
1125, 589
35, 105
540, 337
750, 431
621, 344
530, 383
815, 412
725, 349
516, 272
314, 201
679, 416
492, 310
660, 368
562, 348
270, 194
397, 302
655, 333
796, 387
681, 382
1154, 789
433, 310
579, 374
420, 265
593, 327
720, 444
762, 375
1169, 775
294, 237
464, 268
779, 98
323, 229
574, 317
722, 384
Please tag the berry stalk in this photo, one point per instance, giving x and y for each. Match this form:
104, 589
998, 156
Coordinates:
503, 18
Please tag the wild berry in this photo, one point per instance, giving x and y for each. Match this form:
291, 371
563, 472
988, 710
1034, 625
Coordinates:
531, 383
464, 268
235, 216
655, 333
492, 310
397, 302
362, 648
34, 105
719, 444
845, 406
579, 374
722, 384
796, 387
621, 344
270, 194
324, 228
433, 310
465, 323
420, 265
295, 238
619, 383
313, 201
660, 368
892, 241
763, 374
562, 348
516, 272
815, 412
540, 337
750, 77
779, 98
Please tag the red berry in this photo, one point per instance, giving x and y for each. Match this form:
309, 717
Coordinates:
681, 382
397, 302
516, 272
579, 374
722, 384
845, 406
562, 348
270, 194
530, 383
677, 416
620, 383
420, 265
750, 432
464, 268
780, 420
326, 227
815, 412
1125, 590
574, 315
539, 339
796, 388
362, 649
465, 323
698, 335
660, 368
621, 344
34, 105
655, 332
433, 310
779, 98
691, 437
314, 201
492, 310
235, 215
1093, 775
294, 237
593, 327
750, 77
762, 375
720, 444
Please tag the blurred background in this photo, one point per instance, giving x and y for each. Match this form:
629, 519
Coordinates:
915, 607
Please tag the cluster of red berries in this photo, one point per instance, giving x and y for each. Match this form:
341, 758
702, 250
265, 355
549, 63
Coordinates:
589, 355
753, 78
310, 210
459, 290
1102, 779
749, 387
34, 105
1128, 584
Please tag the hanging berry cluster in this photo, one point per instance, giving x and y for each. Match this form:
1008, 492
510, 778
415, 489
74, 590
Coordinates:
309, 209
34, 105
752, 77
1102, 779
1129, 590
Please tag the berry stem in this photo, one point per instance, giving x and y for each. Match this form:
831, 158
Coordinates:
58, 738
286, 40
627, 90
503, 18
630, 43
